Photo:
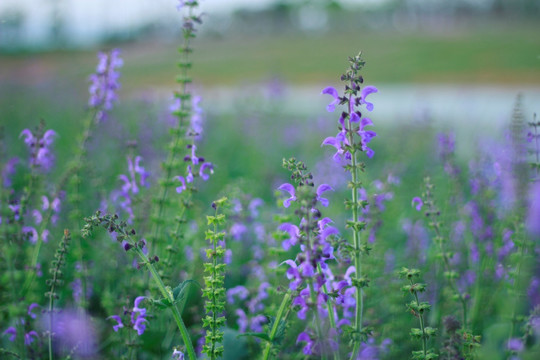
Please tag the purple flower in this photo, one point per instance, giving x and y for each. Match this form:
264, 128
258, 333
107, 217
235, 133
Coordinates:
515, 344
310, 343
294, 233
203, 167
333, 92
290, 189
8, 170
30, 308
177, 355
74, 330
29, 337
240, 291
33, 233
183, 187
104, 83
118, 320
243, 321
419, 203
40, 153
322, 188
12, 332
139, 325
363, 95
533, 216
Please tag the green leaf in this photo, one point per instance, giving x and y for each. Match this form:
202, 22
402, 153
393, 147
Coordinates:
180, 293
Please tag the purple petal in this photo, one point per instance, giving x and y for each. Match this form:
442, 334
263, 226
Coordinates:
179, 189
333, 92
365, 92
419, 203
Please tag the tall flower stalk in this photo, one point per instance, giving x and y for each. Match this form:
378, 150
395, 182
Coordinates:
350, 142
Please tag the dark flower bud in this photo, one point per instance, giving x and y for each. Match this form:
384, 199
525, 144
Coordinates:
156, 258
214, 206
187, 158
127, 246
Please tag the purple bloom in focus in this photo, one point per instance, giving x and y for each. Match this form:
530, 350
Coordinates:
140, 325
322, 188
333, 92
363, 95
290, 189
419, 203
12, 332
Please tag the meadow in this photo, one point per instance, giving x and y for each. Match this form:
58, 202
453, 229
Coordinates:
141, 221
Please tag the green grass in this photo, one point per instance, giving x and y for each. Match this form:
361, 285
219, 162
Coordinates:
470, 55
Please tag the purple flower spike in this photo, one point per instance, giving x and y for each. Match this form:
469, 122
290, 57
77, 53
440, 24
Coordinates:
419, 203
118, 320
12, 332
205, 166
333, 92
290, 189
179, 189
363, 95
322, 188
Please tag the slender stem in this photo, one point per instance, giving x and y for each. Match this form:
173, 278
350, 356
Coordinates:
330, 310
422, 327
167, 295
359, 294
275, 326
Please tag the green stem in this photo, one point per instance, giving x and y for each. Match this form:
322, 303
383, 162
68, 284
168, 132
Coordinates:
167, 295
422, 327
359, 294
330, 310
275, 326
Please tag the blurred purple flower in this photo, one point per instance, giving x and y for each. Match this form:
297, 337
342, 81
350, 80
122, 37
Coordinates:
12, 332
30, 308
118, 320
202, 169
294, 233
8, 170
29, 337
177, 355
533, 215
419, 203
104, 83
515, 344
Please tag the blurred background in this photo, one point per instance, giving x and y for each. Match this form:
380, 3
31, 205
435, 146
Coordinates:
458, 65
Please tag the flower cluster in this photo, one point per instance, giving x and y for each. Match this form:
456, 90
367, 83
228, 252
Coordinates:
104, 83
137, 317
39, 144
130, 186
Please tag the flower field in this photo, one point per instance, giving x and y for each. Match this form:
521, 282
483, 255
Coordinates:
145, 228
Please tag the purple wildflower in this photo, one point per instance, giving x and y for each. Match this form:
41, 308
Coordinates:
33, 233
515, 344
310, 342
118, 320
290, 189
177, 355
322, 188
294, 233
183, 187
202, 169
239, 291
419, 203
30, 308
333, 92
8, 170
104, 83
12, 332
41, 155
363, 95
29, 337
